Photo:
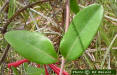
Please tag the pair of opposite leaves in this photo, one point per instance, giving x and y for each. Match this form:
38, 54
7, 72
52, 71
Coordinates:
39, 49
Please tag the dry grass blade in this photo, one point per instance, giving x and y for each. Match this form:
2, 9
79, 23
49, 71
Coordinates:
108, 50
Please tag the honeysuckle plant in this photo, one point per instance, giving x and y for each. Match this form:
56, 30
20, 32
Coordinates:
37, 48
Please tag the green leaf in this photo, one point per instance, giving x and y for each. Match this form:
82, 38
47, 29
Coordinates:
74, 6
81, 31
12, 7
32, 46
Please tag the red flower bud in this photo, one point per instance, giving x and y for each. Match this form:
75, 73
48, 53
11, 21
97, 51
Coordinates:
17, 63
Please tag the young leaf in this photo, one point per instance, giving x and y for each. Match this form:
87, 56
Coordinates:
74, 6
32, 46
81, 31
12, 7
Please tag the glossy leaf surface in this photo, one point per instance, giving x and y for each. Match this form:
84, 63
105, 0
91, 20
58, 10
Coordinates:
81, 31
32, 46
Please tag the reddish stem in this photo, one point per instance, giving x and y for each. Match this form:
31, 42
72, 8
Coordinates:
46, 71
66, 28
67, 15
17, 63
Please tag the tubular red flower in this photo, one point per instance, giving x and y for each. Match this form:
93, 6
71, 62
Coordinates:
54, 69
46, 71
52, 66
17, 63
65, 73
57, 69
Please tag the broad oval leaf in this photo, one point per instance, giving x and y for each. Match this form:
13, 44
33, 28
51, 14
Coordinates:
81, 31
32, 46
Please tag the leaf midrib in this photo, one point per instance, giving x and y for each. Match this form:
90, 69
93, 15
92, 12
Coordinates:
42, 51
77, 38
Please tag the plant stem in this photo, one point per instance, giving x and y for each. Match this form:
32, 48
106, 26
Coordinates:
67, 15
62, 66
4, 54
66, 28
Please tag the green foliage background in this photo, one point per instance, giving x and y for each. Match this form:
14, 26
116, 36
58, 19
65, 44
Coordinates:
93, 56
